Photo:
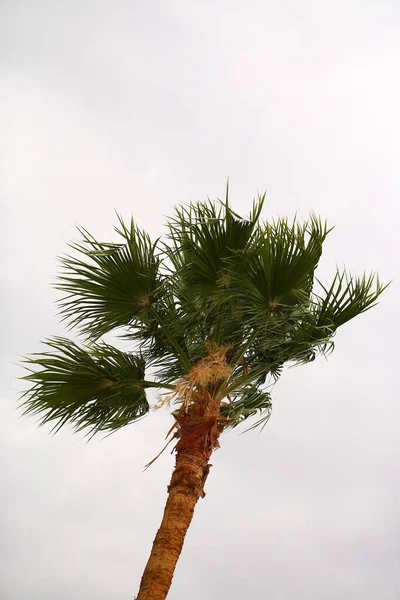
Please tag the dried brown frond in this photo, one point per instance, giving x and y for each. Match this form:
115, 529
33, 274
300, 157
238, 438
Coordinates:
198, 421
192, 388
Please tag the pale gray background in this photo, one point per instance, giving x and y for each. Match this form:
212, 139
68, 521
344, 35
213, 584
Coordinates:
137, 106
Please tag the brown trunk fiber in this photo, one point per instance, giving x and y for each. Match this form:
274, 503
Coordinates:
185, 489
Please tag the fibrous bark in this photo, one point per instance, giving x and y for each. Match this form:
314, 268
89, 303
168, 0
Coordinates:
198, 429
185, 489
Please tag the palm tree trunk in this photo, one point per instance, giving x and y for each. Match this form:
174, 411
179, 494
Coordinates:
185, 489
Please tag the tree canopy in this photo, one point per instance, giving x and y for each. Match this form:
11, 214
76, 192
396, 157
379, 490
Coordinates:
216, 285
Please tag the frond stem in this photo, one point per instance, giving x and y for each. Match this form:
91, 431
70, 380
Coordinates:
155, 384
173, 341
238, 383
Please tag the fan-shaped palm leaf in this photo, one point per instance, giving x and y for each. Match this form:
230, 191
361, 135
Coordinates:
109, 285
278, 271
346, 298
247, 402
100, 388
203, 236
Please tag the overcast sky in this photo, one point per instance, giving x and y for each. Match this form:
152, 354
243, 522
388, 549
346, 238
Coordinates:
137, 106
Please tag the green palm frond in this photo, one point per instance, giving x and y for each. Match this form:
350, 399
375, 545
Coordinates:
202, 237
99, 388
278, 271
109, 285
347, 297
247, 403
163, 342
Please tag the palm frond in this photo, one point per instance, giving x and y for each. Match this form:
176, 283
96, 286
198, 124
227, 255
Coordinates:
202, 236
278, 271
248, 402
346, 298
100, 388
108, 285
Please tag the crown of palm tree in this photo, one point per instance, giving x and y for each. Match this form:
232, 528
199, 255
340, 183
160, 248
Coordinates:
216, 281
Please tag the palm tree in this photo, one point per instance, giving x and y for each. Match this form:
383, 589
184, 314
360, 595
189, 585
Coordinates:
212, 313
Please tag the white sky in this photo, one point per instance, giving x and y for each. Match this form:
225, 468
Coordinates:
137, 106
